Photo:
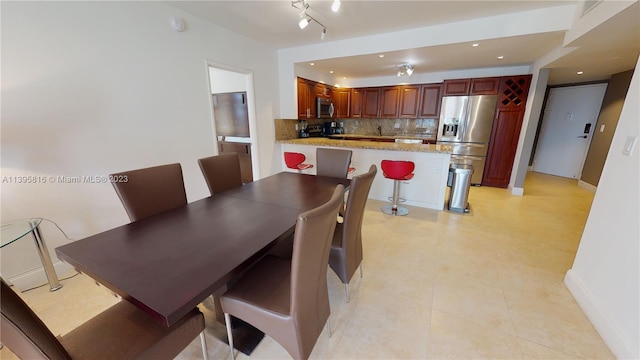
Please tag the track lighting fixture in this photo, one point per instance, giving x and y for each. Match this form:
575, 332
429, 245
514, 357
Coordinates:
302, 6
405, 69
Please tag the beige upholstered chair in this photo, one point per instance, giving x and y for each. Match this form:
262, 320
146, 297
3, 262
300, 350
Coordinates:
221, 172
333, 162
120, 332
346, 248
288, 299
150, 191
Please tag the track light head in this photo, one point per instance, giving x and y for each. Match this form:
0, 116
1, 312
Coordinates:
405, 69
303, 23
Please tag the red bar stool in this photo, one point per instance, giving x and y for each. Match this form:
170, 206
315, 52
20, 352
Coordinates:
396, 170
295, 160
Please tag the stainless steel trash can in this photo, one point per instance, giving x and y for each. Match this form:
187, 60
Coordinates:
459, 182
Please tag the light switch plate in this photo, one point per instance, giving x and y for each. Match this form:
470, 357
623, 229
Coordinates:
629, 145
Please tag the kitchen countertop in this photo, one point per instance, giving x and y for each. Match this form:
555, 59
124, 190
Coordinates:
374, 145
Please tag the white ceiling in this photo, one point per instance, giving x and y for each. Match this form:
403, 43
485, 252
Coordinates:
611, 48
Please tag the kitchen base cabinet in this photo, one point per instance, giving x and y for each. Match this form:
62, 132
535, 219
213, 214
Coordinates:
427, 189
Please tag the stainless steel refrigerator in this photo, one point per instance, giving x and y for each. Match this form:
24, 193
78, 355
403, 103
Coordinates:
465, 124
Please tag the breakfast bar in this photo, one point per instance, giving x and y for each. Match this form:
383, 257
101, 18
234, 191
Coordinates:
428, 187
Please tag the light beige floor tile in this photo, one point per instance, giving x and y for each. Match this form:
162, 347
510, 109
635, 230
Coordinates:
473, 301
383, 328
451, 337
560, 326
533, 351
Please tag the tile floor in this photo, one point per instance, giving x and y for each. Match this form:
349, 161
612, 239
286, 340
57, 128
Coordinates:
436, 285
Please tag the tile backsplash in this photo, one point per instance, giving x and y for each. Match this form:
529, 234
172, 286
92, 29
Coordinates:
286, 128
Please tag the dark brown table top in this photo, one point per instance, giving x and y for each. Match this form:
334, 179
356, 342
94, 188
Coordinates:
168, 263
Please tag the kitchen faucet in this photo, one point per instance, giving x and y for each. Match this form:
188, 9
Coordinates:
380, 130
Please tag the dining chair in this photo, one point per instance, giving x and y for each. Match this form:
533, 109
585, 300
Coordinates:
288, 299
346, 248
120, 332
333, 162
221, 172
150, 191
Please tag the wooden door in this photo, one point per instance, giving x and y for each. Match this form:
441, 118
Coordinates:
389, 104
356, 103
370, 102
485, 86
409, 103
502, 148
304, 99
430, 100
342, 100
457, 87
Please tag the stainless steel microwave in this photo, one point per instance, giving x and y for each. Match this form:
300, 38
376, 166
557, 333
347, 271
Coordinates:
325, 108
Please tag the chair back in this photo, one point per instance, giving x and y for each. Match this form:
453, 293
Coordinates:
351, 241
333, 162
150, 191
221, 172
309, 292
293, 159
22, 331
397, 169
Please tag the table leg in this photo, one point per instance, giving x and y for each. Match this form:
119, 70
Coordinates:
45, 258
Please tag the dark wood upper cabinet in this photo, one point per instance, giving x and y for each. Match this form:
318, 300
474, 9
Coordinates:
457, 87
389, 104
430, 100
409, 102
370, 102
341, 101
513, 91
323, 91
485, 86
306, 99
356, 103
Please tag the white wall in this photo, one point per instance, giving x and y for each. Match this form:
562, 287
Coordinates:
605, 277
92, 88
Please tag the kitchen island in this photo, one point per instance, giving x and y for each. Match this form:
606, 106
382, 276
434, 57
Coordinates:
428, 187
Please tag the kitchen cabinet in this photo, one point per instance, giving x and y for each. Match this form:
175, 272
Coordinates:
484, 86
370, 102
389, 102
356, 103
342, 102
244, 154
507, 122
306, 99
430, 100
456, 87
323, 91
409, 102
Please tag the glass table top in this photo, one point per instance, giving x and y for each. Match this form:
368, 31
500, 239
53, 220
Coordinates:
16, 230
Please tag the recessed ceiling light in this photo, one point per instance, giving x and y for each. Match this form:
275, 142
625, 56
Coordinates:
500, 57
344, 77
381, 55
330, 71
312, 64
475, 45
580, 72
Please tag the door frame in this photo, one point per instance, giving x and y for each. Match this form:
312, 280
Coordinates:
253, 126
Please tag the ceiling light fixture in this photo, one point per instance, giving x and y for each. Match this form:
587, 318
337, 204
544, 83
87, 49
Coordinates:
580, 72
335, 7
302, 6
405, 69
500, 57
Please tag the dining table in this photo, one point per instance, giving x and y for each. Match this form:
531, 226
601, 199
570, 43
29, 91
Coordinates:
168, 263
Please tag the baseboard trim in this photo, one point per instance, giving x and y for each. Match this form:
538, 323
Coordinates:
587, 186
599, 320
37, 277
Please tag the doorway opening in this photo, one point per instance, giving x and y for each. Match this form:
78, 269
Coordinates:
233, 115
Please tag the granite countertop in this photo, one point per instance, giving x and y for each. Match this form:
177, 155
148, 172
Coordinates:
374, 145
425, 138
